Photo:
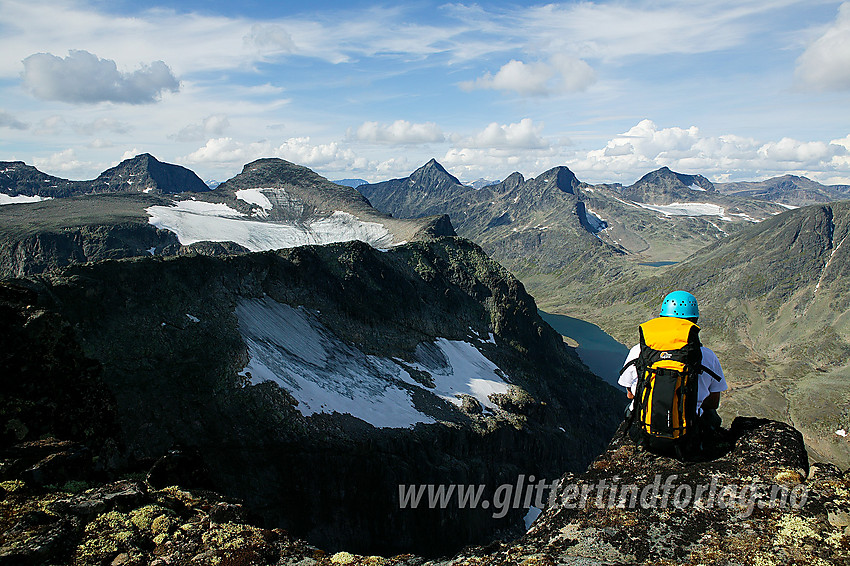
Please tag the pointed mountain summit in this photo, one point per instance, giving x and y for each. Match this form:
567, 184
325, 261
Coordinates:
435, 176
423, 193
664, 186
144, 173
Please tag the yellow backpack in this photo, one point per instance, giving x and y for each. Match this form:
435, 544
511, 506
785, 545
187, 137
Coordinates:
668, 368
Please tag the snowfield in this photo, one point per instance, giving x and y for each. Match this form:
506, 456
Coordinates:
292, 348
198, 221
687, 209
254, 196
19, 199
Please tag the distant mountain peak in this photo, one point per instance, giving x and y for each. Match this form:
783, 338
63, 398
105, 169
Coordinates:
559, 177
145, 173
668, 175
434, 174
664, 185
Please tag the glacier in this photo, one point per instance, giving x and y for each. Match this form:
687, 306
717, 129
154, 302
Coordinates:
197, 221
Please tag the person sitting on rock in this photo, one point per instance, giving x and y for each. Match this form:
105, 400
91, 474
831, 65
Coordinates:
670, 409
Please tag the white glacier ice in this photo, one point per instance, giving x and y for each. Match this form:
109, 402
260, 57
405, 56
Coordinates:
197, 221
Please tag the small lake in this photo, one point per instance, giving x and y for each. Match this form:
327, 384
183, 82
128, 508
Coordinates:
598, 350
659, 263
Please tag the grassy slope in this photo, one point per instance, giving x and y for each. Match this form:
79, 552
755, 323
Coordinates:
774, 306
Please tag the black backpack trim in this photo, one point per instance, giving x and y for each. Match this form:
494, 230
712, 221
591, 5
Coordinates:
666, 382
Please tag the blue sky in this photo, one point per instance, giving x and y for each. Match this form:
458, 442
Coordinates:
731, 89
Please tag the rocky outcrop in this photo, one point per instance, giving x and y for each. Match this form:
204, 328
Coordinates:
44, 251
760, 504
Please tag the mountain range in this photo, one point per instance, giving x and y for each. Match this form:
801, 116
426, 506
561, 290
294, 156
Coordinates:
299, 343
562, 236
788, 189
141, 174
141, 207
769, 275
284, 342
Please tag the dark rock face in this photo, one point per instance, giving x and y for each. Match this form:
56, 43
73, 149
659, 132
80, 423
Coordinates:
47, 382
165, 334
144, 173
18, 178
140, 174
44, 251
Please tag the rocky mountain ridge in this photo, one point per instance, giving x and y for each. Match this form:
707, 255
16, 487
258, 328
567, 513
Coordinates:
272, 204
562, 236
247, 360
791, 190
140, 174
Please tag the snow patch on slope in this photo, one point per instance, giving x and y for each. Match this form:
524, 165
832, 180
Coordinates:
19, 199
292, 348
198, 221
687, 209
459, 368
256, 197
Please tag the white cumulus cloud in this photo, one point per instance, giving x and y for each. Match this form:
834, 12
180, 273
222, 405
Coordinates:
561, 74
84, 78
524, 134
228, 152
400, 132
825, 65
62, 161
645, 147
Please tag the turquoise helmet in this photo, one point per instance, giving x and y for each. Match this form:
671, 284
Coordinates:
680, 304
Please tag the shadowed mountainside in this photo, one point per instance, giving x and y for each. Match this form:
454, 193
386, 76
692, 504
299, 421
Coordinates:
443, 341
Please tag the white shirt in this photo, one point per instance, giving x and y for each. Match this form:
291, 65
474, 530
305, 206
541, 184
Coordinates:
706, 384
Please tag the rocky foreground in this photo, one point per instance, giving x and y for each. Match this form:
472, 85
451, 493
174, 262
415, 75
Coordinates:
782, 511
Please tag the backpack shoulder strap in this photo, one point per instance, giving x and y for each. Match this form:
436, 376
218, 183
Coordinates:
709, 372
629, 364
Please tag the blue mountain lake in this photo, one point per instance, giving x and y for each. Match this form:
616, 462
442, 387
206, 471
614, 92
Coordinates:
598, 350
